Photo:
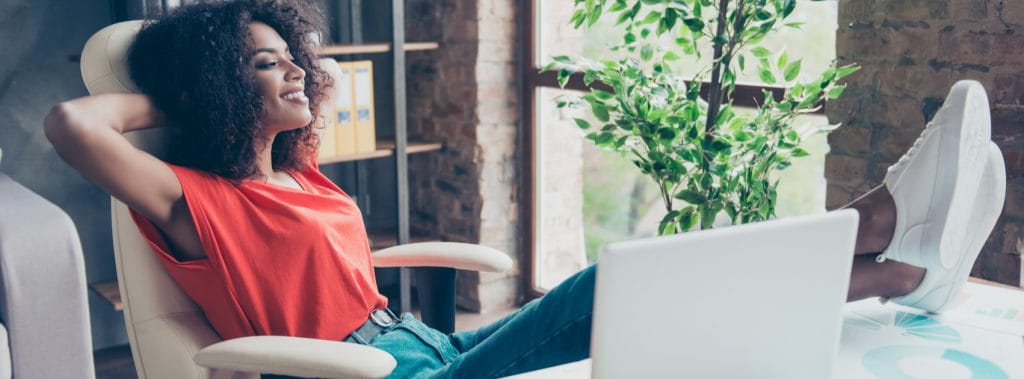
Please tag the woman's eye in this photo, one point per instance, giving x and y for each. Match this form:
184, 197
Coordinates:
268, 65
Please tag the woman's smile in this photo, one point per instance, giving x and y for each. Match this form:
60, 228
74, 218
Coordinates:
296, 96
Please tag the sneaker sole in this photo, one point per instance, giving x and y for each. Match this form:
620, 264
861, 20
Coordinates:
987, 208
969, 141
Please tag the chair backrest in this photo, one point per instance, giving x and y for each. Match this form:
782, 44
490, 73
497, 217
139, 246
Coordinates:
165, 328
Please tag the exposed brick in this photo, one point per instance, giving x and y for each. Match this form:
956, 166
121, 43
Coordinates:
850, 140
1007, 89
910, 56
863, 10
496, 10
1002, 268
503, 31
496, 51
448, 95
837, 196
1012, 238
1014, 162
906, 9
938, 9
496, 72
978, 9
847, 170
897, 143
1014, 199
457, 73
1008, 122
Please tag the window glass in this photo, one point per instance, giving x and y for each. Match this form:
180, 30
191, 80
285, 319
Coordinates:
587, 197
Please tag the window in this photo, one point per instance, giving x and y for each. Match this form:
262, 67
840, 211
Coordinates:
584, 197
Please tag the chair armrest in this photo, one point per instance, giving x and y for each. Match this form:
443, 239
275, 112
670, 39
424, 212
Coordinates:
297, 356
462, 256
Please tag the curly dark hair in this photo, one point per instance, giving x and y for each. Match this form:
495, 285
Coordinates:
193, 62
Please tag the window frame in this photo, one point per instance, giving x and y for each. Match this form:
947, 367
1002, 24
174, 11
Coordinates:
531, 80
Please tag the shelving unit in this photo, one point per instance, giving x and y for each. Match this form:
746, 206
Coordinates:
373, 48
384, 149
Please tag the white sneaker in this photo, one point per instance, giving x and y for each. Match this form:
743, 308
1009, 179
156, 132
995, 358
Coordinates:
941, 286
935, 183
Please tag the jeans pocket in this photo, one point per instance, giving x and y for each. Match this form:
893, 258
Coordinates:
436, 340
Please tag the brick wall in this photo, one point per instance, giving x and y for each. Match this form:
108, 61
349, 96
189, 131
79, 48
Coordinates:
911, 52
465, 95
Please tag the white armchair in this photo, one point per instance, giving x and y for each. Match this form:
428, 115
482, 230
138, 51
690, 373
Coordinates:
169, 335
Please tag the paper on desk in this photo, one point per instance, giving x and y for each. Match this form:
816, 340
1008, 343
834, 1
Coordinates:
989, 307
891, 341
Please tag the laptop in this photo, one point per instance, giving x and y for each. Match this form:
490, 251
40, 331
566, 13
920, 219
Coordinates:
761, 300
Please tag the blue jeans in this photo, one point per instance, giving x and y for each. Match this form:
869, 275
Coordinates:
548, 331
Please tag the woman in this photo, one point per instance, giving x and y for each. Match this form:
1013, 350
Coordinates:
246, 224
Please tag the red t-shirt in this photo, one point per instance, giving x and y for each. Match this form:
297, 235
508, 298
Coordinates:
280, 261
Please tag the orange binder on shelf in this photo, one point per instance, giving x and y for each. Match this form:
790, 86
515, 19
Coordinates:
344, 123
362, 93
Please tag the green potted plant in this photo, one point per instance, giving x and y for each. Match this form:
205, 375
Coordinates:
697, 148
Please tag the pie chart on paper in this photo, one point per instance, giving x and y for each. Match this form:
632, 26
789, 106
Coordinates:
905, 361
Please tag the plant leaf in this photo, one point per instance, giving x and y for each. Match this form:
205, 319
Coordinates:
695, 25
602, 94
846, 71
836, 91
792, 70
766, 76
760, 52
583, 124
563, 76
687, 218
690, 196
647, 52
600, 112
651, 17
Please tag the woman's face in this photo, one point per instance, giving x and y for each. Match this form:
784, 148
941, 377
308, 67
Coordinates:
280, 81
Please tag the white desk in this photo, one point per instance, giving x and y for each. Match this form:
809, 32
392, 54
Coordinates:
983, 333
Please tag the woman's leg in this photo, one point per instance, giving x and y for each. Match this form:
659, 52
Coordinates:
870, 278
887, 279
548, 331
877, 220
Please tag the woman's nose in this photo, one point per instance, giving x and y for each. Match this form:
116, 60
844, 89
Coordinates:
294, 72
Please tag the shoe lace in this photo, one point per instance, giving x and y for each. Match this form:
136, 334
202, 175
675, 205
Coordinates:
909, 155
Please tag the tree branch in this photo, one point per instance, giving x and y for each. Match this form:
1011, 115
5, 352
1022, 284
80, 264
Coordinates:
714, 96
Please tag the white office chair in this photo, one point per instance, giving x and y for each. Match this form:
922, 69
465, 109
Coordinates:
170, 336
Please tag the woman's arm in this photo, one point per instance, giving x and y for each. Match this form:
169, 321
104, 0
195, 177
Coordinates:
87, 133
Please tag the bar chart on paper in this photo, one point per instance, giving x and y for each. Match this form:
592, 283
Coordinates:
980, 337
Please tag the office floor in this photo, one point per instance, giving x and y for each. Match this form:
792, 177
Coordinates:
116, 362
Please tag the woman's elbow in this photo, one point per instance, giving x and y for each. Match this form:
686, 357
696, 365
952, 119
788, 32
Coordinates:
60, 122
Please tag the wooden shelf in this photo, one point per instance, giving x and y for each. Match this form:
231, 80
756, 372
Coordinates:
374, 48
384, 149
110, 292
